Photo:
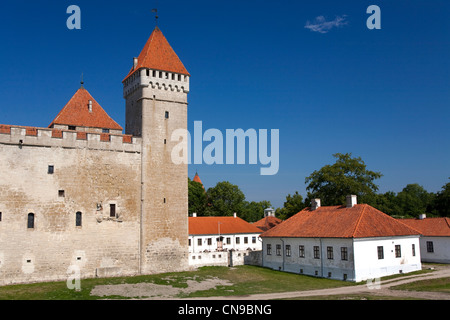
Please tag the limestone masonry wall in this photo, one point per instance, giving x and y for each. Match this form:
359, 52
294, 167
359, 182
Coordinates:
81, 197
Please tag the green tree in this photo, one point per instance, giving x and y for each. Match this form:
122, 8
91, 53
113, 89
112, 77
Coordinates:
224, 199
293, 205
254, 211
332, 183
387, 203
414, 200
442, 201
197, 200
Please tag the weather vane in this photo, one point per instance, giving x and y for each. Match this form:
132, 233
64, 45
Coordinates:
156, 16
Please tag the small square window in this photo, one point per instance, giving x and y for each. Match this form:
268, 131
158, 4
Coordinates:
72, 128
51, 169
61, 193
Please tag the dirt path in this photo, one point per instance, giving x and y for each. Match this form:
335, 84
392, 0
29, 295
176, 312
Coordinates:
384, 289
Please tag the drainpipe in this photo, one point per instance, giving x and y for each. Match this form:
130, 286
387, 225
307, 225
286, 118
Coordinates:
321, 257
282, 253
262, 251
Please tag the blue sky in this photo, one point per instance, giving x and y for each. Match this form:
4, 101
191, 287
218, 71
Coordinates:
382, 94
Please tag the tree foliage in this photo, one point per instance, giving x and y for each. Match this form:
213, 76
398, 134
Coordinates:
292, 206
197, 200
442, 201
224, 199
332, 183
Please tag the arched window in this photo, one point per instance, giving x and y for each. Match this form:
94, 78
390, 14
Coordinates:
78, 219
30, 221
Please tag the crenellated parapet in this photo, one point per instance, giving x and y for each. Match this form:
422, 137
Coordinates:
156, 79
48, 137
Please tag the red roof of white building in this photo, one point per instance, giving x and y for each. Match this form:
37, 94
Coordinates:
267, 223
227, 225
359, 221
437, 227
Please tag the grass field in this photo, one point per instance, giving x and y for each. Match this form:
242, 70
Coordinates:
238, 281
243, 280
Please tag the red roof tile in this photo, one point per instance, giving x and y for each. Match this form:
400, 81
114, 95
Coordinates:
228, 225
157, 54
267, 223
437, 227
360, 221
76, 113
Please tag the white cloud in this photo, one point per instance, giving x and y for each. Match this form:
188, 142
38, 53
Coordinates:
321, 25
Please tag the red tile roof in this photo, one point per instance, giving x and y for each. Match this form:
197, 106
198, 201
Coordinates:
228, 225
76, 113
197, 179
157, 54
267, 223
360, 221
437, 227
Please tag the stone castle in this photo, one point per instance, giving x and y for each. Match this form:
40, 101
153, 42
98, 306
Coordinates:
81, 193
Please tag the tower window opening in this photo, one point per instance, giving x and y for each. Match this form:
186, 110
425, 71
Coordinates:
30, 221
78, 216
112, 210
166, 115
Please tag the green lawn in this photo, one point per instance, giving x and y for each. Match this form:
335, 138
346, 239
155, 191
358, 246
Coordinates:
434, 285
245, 280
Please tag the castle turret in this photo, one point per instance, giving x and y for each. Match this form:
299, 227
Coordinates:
156, 91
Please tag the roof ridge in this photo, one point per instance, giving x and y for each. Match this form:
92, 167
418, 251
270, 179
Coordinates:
447, 219
359, 220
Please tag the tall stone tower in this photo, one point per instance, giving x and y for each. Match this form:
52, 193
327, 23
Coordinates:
156, 91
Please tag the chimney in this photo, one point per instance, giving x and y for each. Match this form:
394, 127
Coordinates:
135, 62
90, 105
315, 203
194, 214
234, 215
422, 216
351, 201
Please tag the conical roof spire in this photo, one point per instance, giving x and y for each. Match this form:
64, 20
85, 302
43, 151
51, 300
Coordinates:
157, 54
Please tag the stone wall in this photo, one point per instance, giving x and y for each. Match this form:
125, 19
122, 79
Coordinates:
90, 180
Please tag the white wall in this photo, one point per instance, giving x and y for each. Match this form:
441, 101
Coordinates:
334, 268
253, 242
368, 266
441, 249
362, 261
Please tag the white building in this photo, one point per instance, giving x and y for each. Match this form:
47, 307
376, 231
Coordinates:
355, 242
222, 234
218, 240
435, 239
